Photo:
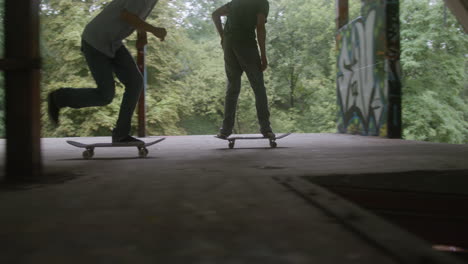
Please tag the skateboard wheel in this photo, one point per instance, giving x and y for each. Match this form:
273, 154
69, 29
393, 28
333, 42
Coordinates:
273, 144
143, 152
87, 154
231, 145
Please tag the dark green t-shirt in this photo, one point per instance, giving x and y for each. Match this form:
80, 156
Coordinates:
242, 19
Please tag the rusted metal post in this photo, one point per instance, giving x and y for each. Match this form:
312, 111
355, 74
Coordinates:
22, 90
142, 102
342, 13
394, 68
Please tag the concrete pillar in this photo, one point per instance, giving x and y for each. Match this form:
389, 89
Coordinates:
394, 78
377, 31
22, 90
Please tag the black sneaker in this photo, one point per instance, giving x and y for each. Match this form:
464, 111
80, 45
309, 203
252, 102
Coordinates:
127, 139
269, 135
222, 135
53, 110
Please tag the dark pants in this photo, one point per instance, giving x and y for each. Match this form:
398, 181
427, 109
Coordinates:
241, 58
103, 68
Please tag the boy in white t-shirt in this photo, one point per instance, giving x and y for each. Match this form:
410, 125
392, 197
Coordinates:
106, 55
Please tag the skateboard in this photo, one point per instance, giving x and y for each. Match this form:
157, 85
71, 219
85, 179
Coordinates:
273, 144
89, 152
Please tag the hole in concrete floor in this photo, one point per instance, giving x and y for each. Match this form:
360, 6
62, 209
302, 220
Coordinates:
432, 205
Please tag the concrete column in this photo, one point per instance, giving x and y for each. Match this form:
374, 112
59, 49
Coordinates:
22, 90
394, 78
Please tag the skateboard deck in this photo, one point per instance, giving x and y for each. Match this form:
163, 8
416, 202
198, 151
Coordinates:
89, 152
273, 144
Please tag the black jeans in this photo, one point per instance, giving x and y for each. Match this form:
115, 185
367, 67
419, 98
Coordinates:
241, 58
102, 69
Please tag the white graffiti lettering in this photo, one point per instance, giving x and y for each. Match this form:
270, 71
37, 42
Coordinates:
362, 92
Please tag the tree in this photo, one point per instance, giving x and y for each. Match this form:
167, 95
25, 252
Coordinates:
434, 60
197, 22
302, 65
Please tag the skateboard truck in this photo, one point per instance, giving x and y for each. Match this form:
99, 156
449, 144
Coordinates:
89, 152
273, 144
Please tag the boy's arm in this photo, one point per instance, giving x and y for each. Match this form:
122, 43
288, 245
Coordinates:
216, 16
261, 36
140, 25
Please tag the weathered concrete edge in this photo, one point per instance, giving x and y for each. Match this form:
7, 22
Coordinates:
395, 242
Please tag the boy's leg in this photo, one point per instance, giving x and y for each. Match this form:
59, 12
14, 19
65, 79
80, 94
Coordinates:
127, 72
101, 69
250, 62
233, 74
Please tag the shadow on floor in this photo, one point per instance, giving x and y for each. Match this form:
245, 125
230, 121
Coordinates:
47, 179
108, 159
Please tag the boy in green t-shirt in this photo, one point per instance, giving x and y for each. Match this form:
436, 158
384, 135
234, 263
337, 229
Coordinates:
241, 54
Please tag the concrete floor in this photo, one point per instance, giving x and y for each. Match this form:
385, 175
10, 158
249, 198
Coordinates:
193, 200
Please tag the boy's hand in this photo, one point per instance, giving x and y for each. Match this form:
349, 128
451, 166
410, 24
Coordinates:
159, 33
264, 63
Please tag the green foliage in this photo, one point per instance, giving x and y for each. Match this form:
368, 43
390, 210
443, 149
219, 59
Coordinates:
197, 20
205, 84
186, 79
434, 59
439, 122
62, 23
302, 73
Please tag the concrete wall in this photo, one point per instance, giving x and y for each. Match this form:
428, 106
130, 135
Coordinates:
367, 68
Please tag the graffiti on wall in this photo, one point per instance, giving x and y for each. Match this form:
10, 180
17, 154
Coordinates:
362, 84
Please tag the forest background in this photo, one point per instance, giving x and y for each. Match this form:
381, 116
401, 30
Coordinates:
186, 80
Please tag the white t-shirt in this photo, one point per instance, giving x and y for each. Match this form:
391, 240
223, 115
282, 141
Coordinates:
107, 30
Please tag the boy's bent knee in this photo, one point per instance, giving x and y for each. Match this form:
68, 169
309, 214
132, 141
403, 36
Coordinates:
106, 98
